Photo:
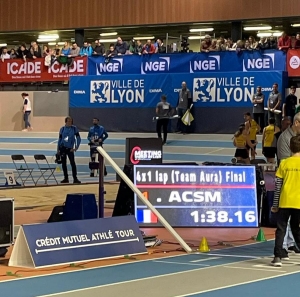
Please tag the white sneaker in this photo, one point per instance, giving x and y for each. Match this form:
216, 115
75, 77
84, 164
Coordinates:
25, 130
276, 262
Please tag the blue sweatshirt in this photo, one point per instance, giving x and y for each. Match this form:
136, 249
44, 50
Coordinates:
97, 132
69, 137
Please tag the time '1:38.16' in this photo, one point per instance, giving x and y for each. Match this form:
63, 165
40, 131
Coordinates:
222, 216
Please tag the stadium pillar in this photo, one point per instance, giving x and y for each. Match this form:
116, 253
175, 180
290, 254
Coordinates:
79, 37
236, 31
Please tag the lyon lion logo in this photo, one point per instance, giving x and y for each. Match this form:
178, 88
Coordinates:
99, 91
204, 89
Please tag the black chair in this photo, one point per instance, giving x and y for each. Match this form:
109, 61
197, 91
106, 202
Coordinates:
24, 172
47, 171
258, 161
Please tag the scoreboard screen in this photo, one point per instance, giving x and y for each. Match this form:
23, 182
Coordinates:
197, 196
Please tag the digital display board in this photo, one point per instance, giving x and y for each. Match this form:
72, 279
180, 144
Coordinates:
203, 196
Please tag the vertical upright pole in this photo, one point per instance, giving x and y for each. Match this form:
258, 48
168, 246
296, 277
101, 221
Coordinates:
101, 186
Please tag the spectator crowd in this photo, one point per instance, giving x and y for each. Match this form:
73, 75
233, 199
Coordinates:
208, 44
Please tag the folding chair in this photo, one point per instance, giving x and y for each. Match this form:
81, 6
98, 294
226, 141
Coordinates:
24, 172
47, 172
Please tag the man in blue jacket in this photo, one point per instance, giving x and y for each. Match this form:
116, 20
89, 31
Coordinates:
96, 137
68, 142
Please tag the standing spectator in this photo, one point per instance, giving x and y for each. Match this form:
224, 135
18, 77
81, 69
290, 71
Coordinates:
111, 52
148, 48
5, 55
74, 51
272, 42
289, 106
86, 50
274, 105
163, 110
160, 47
34, 51
263, 43
258, 108
205, 44
68, 143
46, 51
297, 41
229, 44
26, 111
121, 46
287, 200
138, 47
13, 54
252, 128
96, 137
65, 51
184, 103
56, 50
99, 48
222, 43
252, 42
23, 52
284, 42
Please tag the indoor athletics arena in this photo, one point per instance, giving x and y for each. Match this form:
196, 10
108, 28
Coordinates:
145, 148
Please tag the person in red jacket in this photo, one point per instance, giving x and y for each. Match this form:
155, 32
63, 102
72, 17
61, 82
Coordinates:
284, 42
148, 48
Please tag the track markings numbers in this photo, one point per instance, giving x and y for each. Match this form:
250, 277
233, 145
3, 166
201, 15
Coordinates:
206, 259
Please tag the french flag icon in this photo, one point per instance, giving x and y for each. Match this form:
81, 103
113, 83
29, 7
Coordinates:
146, 216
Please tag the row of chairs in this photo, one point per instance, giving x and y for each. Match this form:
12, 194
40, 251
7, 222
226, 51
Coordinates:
25, 173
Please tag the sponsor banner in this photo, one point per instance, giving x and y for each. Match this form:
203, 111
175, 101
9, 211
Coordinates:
43, 245
215, 89
293, 62
17, 70
268, 60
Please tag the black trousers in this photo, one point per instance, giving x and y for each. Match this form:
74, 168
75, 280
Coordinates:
282, 221
66, 152
259, 118
164, 124
93, 154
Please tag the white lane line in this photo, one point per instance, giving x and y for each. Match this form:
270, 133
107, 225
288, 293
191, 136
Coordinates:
233, 256
52, 142
213, 151
170, 262
249, 268
207, 259
234, 285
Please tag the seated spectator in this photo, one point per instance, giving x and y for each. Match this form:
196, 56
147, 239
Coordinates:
284, 42
111, 52
34, 51
272, 42
297, 41
160, 48
86, 50
5, 55
252, 43
205, 44
23, 52
13, 54
148, 48
263, 43
121, 46
99, 48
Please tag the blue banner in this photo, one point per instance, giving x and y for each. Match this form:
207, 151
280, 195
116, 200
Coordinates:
75, 241
190, 196
268, 60
216, 89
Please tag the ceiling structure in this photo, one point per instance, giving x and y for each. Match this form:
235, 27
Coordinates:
174, 31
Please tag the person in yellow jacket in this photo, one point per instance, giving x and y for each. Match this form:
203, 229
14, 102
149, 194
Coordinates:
252, 128
269, 141
241, 141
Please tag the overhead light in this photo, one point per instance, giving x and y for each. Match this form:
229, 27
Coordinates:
3, 44
45, 40
257, 28
54, 43
277, 34
196, 37
72, 39
295, 25
202, 30
108, 40
47, 36
143, 37
264, 34
109, 34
